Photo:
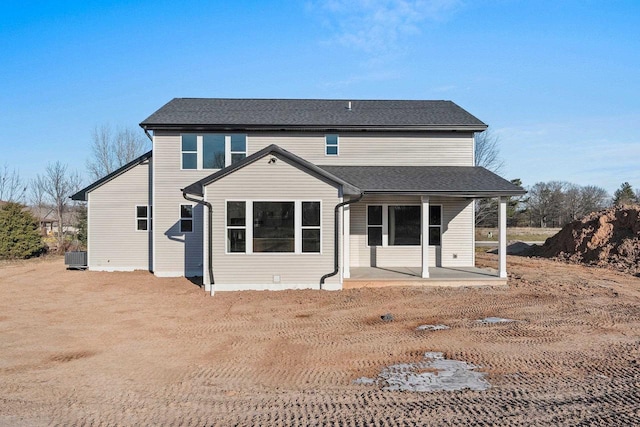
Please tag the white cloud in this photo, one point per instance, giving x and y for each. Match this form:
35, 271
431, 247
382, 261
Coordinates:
379, 25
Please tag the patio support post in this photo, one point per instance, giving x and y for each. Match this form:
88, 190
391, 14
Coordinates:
502, 237
425, 237
346, 232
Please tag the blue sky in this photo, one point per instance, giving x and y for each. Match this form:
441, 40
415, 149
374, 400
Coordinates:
557, 81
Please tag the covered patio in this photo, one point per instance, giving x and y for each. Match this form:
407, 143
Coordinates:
432, 207
369, 277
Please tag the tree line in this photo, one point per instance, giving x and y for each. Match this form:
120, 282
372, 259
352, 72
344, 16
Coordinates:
546, 204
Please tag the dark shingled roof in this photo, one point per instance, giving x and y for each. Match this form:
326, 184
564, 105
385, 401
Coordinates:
450, 180
217, 113
82, 194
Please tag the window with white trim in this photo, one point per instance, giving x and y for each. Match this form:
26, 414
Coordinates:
189, 151
310, 227
212, 150
186, 218
435, 225
142, 218
374, 225
236, 227
331, 145
401, 225
237, 147
404, 225
274, 227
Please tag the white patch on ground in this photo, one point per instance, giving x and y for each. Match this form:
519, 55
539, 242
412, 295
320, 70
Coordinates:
431, 327
492, 320
435, 373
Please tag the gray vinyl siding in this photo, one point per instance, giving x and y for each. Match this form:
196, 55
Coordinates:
176, 253
114, 243
361, 149
374, 149
278, 181
457, 235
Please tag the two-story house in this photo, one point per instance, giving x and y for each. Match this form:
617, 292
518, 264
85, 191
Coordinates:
291, 193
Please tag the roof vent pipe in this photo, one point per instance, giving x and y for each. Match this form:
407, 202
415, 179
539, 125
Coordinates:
349, 106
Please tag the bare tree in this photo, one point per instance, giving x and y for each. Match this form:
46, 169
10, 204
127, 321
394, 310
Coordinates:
487, 151
55, 187
594, 198
487, 155
556, 203
12, 188
572, 199
110, 150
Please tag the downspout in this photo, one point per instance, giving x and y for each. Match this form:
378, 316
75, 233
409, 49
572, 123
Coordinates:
336, 238
210, 220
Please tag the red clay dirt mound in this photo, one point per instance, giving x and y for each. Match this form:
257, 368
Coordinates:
608, 238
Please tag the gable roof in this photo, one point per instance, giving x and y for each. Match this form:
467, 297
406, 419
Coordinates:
472, 181
197, 188
82, 194
308, 114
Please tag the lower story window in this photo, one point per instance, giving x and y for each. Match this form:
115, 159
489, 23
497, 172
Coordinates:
142, 218
276, 226
273, 227
310, 226
236, 227
435, 225
402, 225
186, 218
374, 225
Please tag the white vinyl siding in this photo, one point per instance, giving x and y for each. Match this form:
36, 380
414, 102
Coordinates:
114, 243
275, 181
457, 235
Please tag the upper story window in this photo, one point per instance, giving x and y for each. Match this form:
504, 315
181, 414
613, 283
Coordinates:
212, 151
331, 145
189, 151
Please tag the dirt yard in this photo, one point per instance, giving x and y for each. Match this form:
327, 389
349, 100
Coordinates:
89, 348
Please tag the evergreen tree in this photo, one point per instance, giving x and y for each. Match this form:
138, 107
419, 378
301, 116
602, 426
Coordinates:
19, 234
82, 226
624, 195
